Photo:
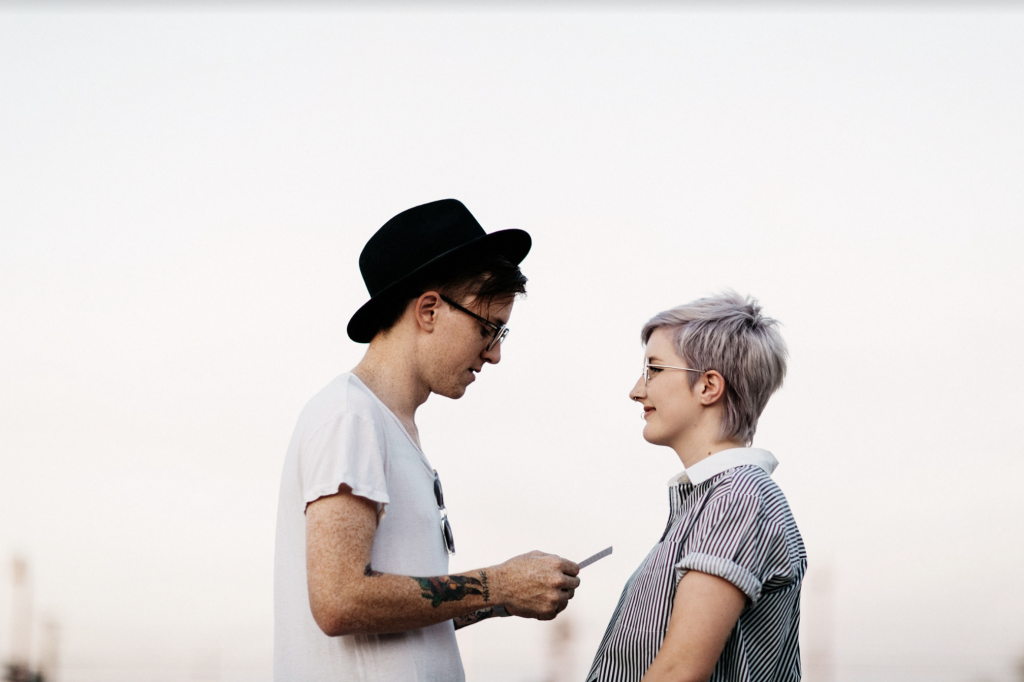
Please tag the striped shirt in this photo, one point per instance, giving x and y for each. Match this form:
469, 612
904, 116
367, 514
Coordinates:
726, 518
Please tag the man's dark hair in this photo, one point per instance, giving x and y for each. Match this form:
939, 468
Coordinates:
486, 278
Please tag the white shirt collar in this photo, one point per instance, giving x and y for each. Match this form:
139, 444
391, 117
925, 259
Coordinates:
723, 461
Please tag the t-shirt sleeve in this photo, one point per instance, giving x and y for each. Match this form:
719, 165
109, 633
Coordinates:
735, 540
345, 450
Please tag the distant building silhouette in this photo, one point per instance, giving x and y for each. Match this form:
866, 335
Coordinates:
19, 667
21, 614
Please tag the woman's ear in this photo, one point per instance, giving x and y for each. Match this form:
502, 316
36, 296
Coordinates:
711, 387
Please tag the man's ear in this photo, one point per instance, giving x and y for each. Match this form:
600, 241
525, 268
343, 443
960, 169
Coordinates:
425, 310
711, 387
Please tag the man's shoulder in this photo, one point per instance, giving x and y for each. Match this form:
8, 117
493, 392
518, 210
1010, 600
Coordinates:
344, 396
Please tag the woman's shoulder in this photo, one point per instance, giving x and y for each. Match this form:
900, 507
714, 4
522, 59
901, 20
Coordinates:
748, 484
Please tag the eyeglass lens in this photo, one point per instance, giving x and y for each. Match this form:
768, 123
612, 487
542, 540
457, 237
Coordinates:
446, 527
449, 539
499, 337
438, 492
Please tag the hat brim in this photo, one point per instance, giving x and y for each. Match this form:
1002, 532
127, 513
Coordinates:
512, 244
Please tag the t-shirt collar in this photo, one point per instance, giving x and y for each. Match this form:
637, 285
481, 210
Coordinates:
724, 460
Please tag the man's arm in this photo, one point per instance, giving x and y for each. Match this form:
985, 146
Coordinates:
704, 613
475, 617
348, 597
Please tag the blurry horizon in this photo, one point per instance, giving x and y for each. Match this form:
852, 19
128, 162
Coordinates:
185, 195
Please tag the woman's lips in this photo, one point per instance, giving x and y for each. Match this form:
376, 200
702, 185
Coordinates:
647, 411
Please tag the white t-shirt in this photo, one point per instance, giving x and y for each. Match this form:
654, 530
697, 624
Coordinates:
347, 435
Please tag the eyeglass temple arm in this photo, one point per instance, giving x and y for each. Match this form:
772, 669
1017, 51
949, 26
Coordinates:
496, 327
688, 369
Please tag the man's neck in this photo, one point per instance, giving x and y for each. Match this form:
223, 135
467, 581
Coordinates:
389, 370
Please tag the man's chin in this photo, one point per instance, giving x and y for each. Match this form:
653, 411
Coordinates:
453, 392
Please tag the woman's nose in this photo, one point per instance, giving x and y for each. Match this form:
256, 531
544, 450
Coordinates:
639, 391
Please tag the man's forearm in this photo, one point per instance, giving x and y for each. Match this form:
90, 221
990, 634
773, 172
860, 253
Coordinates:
383, 602
347, 596
475, 617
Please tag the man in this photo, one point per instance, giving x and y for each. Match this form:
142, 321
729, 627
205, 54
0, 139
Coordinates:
361, 585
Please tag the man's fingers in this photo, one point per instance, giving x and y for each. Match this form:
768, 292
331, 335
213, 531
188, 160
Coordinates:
570, 583
544, 583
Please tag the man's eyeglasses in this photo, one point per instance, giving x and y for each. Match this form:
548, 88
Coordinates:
446, 528
648, 373
498, 332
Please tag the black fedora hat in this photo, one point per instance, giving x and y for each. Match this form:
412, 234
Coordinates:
418, 244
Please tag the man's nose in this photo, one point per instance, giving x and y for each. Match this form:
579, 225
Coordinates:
493, 355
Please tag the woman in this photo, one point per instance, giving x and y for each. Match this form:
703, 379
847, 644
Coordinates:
718, 598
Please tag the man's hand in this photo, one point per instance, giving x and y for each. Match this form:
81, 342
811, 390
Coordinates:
536, 585
347, 596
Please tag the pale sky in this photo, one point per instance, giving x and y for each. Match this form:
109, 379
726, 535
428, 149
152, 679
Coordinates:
184, 195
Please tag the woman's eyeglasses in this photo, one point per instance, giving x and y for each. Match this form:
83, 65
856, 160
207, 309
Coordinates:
648, 374
446, 528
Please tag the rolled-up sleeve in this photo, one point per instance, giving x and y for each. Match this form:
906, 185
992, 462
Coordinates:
346, 451
734, 540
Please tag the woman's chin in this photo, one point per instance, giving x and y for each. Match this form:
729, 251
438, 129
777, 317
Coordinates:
651, 436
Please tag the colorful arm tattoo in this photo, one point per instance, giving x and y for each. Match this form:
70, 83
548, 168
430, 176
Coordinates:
453, 588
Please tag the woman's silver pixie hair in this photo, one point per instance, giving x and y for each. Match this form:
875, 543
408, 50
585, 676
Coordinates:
728, 333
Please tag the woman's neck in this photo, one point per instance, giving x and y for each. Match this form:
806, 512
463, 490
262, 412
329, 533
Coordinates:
702, 442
